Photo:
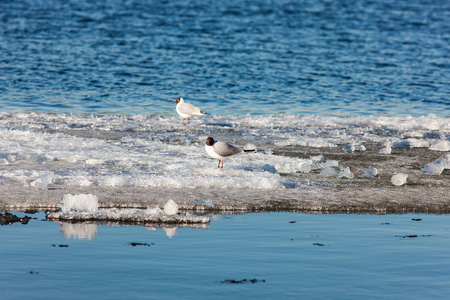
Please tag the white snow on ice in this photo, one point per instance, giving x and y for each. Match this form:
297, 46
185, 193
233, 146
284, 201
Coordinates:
43, 151
79, 203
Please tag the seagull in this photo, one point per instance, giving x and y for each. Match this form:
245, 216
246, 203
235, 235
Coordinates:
187, 110
221, 150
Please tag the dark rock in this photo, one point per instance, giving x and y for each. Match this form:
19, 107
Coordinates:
417, 220
8, 219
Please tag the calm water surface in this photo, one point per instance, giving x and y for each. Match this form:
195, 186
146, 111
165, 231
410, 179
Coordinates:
290, 255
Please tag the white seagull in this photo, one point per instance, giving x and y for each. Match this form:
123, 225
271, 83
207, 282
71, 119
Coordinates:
187, 110
221, 150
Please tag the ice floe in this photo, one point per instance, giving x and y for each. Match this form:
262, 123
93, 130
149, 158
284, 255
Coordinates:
44, 153
84, 207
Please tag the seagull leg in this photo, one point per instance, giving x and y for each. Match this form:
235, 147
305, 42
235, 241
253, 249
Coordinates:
184, 122
222, 164
188, 120
218, 164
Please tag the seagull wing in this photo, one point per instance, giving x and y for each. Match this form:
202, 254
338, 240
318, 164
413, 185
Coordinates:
225, 150
189, 109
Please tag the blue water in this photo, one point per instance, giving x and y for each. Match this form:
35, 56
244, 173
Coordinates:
337, 57
291, 255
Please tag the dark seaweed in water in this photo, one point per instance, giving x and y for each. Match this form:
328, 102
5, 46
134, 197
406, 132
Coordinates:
140, 244
319, 244
234, 281
8, 219
413, 236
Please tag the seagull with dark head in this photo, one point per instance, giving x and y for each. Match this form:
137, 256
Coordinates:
221, 150
187, 110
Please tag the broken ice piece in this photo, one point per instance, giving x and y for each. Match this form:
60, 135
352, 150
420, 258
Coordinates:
370, 172
399, 179
170, 208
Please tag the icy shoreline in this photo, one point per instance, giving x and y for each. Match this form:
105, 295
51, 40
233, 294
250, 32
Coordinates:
304, 163
315, 200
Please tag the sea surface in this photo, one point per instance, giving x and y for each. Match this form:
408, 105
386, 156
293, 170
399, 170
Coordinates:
251, 256
232, 57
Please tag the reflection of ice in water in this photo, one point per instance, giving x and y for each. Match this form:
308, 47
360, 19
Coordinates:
170, 231
81, 231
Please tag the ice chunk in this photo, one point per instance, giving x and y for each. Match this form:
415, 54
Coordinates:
93, 161
346, 173
328, 171
42, 182
3, 162
412, 143
153, 210
250, 147
433, 169
306, 168
317, 158
80, 203
385, 150
440, 145
436, 167
206, 203
269, 168
399, 179
370, 172
170, 208
352, 148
